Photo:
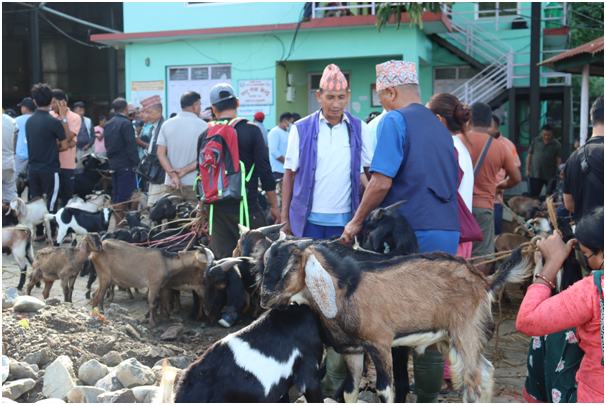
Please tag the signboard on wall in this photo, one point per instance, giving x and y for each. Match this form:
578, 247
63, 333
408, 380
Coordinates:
198, 78
141, 90
256, 92
250, 110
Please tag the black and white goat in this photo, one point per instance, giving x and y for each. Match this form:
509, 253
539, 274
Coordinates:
18, 241
75, 221
370, 306
259, 363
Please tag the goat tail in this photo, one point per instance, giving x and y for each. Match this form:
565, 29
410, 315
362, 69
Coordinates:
165, 393
36, 274
514, 270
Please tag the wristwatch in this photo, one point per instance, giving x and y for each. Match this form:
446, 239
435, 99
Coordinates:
64, 120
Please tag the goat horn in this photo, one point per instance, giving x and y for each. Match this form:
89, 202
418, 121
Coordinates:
229, 264
243, 229
210, 257
304, 243
266, 230
395, 206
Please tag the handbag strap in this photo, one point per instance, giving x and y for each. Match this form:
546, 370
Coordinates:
480, 160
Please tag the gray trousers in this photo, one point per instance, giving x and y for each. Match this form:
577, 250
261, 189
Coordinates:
21, 165
9, 191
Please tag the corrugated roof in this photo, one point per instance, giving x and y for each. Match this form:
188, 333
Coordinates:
592, 47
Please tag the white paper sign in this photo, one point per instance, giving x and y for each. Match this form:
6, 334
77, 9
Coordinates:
249, 111
256, 92
363, 98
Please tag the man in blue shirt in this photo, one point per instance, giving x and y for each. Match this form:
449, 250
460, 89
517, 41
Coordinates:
415, 161
277, 143
21, 158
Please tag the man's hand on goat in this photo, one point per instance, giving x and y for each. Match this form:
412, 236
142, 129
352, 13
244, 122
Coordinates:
286, 228
350, 231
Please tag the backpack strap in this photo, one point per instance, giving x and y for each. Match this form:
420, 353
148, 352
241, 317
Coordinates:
598, 279
586, 168
476, 168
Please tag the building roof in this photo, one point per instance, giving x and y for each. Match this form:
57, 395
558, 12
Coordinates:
572, 61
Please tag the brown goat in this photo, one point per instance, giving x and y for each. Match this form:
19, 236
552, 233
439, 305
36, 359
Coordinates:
190, 279
18, 241
522, 205
128, 266
371, 305
58, 263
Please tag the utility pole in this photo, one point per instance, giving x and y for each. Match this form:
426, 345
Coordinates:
35, 39
112, 59
535, 72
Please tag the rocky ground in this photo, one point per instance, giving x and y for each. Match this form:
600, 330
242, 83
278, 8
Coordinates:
57, 350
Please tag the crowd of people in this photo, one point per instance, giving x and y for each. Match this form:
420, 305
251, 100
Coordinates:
449, 162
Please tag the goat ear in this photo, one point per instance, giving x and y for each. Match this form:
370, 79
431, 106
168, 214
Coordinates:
243, 229
320, 285
22, 207
303, 243
84, 244
97, 246
74, 242
395, 206
379, 213
282, 236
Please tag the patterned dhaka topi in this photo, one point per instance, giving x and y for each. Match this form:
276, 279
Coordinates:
396, 73
333, 79
151, 101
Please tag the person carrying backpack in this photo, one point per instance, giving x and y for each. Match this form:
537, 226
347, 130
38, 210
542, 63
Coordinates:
232, 157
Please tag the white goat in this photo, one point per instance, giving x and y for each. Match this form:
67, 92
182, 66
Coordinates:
29, 213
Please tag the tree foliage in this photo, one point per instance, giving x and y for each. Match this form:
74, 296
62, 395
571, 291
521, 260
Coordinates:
415, 12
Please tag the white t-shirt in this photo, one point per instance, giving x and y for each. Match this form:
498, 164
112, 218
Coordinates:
9, 127
180, 136
465, 163
332, 190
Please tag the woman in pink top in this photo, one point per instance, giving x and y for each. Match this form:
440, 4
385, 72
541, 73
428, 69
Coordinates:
99, 141
580, 306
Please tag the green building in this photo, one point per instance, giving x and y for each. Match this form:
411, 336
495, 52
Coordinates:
273, 54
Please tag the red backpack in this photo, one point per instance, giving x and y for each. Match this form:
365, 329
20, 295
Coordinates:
222, 174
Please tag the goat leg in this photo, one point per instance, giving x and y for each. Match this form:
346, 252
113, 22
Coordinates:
381, 356
351, 385
195, 314
89, 285
401, 383
47, 288
130, 294
22, 277
65, 286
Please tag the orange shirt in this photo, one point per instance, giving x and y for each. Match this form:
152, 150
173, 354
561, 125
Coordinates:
498, 157
67, 158
578, 305
501, 175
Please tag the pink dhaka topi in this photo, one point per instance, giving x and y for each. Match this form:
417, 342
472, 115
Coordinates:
151, 101
333, 79
396, 73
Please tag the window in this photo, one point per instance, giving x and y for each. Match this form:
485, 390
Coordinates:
488, 10
199, 78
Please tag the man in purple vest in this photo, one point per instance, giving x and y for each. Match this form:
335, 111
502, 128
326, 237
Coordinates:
415, 161
324, 161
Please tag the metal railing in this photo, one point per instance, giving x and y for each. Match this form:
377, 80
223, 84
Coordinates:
316, 12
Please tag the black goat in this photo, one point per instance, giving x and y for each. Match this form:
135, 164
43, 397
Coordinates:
389, 232
8, 217
87, 181
260, 362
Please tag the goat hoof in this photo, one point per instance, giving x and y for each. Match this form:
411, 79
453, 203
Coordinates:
20, 287
38, 284
87, 295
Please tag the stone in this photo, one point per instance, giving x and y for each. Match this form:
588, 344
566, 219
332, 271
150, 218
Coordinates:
368, 397
131, 373
173, 333
53, 302
26, 303
131, 331
111, 359
8, 401
84, 395
145, 395
5, 368
9, 297
116, 311
50, 341
91, 372
59, 378
329, 401
40, 357
14, 389
110, 382
20, 370
119, 397
180, 362
51, 401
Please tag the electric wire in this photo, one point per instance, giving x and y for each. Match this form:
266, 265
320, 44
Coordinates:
70, 37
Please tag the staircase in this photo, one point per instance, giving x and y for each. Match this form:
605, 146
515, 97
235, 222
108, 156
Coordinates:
482, 50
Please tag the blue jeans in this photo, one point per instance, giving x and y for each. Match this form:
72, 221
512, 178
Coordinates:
322, 232
498, 219
438, 241
124, 183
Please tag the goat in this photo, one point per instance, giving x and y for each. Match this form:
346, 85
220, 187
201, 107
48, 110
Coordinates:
416, 300
389, 232
21, 182
224, 290
259, 363
72, 220
522, 205
93, 203
87, 181
31, 213
18, 241
8, 218
190, 279
125, 265
57, 263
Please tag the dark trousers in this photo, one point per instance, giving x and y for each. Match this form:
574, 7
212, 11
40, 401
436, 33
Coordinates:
225, 233
498, 219
45, 185
278, 175
321, 231
535, 185
66, 191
